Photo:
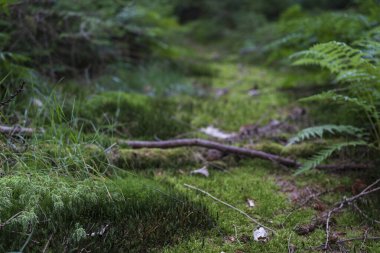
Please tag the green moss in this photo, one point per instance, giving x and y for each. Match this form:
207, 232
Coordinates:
237, 107
305, 149
155, 158
253, 180
132, 115
134, 209
256, 180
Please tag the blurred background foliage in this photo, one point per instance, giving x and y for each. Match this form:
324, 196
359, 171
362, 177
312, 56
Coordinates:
65, 39
148, 46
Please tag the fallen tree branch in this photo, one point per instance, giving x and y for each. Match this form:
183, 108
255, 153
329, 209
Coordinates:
230, 206
16, 130
233, 150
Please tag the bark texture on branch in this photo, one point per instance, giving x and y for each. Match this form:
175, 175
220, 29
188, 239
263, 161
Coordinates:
233, 150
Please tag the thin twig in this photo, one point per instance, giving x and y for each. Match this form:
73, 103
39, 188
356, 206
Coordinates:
347, 201
9, 220
233, 150
27, 240
290, 246
345, 240
16, 130
359, 239
364, 215
12, 96
365, 236
47, 244
229, 205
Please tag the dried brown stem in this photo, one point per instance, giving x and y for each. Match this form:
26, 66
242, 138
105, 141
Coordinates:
233, 150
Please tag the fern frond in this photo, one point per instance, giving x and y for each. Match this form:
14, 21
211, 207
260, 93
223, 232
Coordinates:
349, 64
370, 48
286, 40
343, 99
373, 34
326, 153
335, 56
319, 131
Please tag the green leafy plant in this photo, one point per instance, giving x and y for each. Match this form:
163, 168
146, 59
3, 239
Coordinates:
320, 131
359, 73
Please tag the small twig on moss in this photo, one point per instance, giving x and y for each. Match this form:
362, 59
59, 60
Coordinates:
347, 201
16, 130
47, 243
230, 206
27, 240
359, 239
340, 242
12, 96
233, 150
365, 236
9, 220
291, 247
364, 215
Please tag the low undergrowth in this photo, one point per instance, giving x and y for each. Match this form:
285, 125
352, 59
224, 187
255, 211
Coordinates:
131, 213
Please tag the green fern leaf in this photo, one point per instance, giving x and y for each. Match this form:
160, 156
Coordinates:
349, 64
319, 131
343, 99
326, 153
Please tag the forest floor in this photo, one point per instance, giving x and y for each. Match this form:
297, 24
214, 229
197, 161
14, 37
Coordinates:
246, 98
100, 195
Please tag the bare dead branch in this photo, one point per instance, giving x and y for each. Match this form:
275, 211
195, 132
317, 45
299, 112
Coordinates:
234, 150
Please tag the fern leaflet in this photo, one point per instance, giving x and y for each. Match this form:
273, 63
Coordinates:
349, 64
326, 153
319, 131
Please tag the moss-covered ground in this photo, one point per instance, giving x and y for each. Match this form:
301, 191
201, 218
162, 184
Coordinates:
71, 188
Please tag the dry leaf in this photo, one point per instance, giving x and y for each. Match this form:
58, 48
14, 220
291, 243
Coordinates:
216, 133
260, 235
229, 239
250, 203
37, 102
101, 231
221, 92
202, 171
253, 92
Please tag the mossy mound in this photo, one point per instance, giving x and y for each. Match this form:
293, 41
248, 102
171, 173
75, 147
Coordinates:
131, 214
154, 158
133, 115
